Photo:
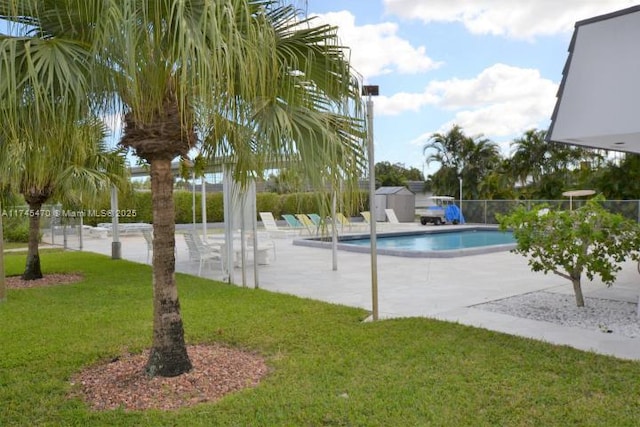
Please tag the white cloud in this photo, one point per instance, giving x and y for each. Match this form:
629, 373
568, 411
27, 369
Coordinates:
501, 101
510, 18
403, 101
377, 49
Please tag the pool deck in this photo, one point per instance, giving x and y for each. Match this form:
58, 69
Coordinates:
439, 288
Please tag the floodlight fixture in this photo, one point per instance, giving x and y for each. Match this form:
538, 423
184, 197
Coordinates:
370, 90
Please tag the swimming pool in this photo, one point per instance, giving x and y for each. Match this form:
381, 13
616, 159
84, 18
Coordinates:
426, 244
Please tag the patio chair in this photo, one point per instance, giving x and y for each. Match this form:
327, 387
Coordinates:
269, 223
352, 226
316, 219
311, 227
391, 216
200, 252
367, 219
293, 222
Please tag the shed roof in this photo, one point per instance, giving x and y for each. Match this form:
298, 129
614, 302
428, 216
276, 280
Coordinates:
394, 190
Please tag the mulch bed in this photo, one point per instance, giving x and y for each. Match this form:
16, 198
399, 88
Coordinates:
54, 279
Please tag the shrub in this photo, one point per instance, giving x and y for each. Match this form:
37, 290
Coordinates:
16, 229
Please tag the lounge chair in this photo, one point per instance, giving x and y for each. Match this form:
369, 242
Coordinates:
352, 226
316, 219
311, 227
293, 222
391, 216
367, 219
269, 223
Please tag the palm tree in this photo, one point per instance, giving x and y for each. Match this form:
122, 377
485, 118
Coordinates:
461, 156
546, 167
529, 156
482, 158
446, 148
234, 74
56, 159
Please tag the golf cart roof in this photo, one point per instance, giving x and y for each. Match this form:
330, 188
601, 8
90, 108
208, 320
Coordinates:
447, 198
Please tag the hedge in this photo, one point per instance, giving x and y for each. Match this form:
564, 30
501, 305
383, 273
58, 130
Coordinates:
137, 206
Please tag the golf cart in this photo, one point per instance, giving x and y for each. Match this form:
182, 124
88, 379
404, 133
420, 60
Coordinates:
442, 211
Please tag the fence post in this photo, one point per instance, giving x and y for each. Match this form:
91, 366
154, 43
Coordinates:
485, 213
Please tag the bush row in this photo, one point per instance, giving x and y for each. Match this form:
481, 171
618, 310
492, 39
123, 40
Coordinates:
136, 206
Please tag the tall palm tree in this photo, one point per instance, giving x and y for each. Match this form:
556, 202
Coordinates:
234, 75
529, 156
56, 159
544, 166
446, 148
461, 156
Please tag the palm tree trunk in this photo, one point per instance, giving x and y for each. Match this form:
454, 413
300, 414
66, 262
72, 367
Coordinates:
168, 356
32, 269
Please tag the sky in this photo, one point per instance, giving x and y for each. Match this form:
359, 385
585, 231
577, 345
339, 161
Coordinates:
492, 67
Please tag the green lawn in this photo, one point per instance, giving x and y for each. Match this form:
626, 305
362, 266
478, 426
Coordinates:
327, 367
14, 245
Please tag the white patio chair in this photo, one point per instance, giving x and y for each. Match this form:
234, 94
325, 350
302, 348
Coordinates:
201, 252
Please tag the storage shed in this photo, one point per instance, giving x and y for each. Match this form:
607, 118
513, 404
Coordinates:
400, 199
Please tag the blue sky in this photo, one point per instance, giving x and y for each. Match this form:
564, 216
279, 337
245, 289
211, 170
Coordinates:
491, 66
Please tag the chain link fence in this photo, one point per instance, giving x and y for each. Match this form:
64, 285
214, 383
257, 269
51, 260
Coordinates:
484, 211
65, 227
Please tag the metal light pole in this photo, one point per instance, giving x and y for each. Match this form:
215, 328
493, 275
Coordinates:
370, 91
116, 245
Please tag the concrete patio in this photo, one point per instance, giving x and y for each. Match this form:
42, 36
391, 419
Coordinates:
440, 288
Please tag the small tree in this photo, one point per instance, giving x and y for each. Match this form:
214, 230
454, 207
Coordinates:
587, 240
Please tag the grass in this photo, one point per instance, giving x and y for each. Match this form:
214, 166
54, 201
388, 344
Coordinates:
328, 367
14, 245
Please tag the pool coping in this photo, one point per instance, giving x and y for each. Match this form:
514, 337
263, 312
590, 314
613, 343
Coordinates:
326, 243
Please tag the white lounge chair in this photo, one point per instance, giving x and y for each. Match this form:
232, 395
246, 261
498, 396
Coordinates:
391, 216
269, 223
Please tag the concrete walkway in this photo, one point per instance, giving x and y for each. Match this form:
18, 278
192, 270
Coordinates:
440, 288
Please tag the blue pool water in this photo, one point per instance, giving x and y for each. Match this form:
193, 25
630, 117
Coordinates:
445, 241
424, 244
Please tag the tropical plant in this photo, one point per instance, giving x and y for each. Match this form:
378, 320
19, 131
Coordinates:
56, 159
460, 157
588, 240
390, 175
621, 181
545, 169
240, 78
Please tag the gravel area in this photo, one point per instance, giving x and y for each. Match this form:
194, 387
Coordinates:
604, 315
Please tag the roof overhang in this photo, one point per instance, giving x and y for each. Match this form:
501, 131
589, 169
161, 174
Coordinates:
598, 102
